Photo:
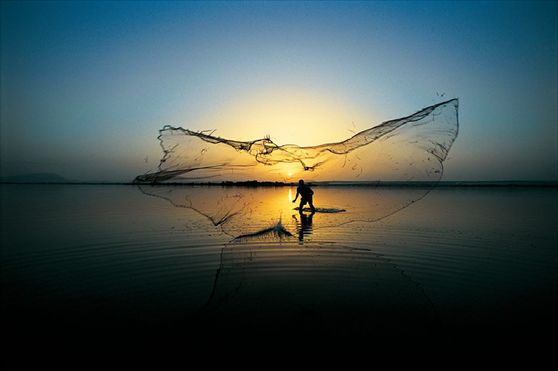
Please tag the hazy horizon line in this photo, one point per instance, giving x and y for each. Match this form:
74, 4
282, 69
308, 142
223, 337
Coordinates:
254, 183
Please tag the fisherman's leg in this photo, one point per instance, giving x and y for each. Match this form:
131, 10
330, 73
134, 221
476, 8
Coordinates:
311, 203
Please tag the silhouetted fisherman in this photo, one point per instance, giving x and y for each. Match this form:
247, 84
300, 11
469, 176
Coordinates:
305, 193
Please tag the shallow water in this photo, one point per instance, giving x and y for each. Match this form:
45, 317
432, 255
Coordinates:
458, 262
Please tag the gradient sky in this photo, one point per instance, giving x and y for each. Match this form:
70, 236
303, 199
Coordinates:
85, 86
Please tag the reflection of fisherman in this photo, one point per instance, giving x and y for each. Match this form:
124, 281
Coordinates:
304, 227
305, 196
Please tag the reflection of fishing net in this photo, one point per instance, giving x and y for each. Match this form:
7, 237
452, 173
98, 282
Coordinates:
409, 148
279, 288
260, 212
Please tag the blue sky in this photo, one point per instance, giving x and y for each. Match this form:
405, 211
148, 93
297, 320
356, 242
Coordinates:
85, 86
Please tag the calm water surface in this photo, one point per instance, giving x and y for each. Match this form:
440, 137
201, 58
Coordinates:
458, 263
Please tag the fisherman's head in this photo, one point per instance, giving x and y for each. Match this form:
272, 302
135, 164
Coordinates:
301, 182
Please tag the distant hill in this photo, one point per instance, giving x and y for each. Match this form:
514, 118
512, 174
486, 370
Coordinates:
34, 178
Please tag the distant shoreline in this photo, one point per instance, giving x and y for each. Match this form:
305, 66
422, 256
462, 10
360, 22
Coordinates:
394, 184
